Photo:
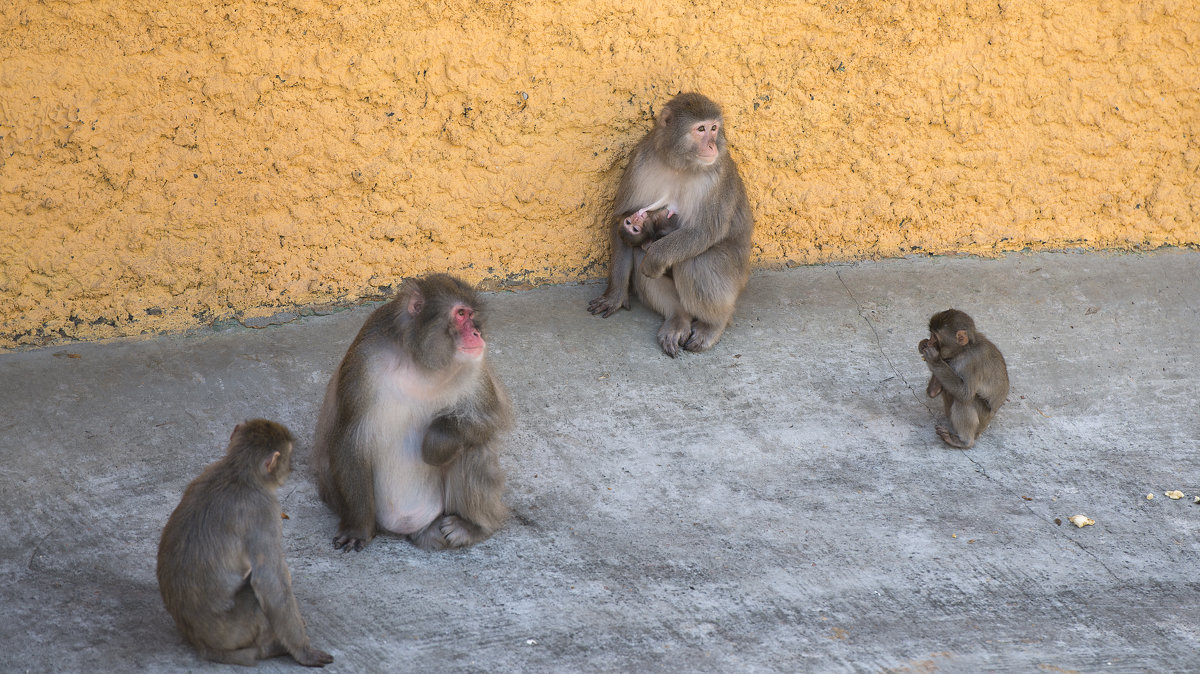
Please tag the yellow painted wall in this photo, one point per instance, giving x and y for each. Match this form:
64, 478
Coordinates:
166, 164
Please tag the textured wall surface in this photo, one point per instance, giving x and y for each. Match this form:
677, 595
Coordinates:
163, 165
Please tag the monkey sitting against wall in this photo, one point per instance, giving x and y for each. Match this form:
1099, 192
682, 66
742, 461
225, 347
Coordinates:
221, 570
682, 164
967, 370
405, 440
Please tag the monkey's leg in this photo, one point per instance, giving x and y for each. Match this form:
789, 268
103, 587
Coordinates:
233, 636
474, 510
708, 286
660, 295
247, 657
964, 419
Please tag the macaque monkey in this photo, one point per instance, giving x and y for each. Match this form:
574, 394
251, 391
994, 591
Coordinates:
683, 164
221, 570
405, 440
967, 371
642, 227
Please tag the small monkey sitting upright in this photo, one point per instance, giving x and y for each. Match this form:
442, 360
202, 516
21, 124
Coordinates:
969, 373
643, 227
221, 570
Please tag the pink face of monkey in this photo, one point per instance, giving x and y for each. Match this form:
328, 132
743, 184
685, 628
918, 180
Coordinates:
470, 341
704, 135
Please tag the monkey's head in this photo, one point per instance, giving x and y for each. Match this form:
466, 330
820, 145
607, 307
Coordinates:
442, 322
950, 331
264, 449
690, 132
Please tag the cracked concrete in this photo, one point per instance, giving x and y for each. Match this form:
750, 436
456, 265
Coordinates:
780, 503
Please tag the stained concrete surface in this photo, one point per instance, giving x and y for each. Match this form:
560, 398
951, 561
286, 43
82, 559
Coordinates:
780, 503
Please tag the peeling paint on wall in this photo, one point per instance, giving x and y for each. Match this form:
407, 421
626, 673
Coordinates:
167, 165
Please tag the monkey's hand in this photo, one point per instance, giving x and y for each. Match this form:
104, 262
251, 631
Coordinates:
929, 353
607, 304
312, 657
652, 266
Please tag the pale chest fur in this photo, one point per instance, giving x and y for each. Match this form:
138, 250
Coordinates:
658, 186
409, 493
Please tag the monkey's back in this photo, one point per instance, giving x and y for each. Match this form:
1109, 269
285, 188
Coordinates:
202, 559
996, 376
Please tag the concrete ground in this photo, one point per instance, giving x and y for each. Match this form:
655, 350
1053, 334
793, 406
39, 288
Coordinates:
780, 503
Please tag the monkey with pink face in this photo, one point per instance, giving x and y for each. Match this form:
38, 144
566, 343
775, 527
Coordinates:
682, 164
406, 437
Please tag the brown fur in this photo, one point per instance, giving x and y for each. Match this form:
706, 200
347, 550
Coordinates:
402, 378
221, 568
708, 255
969, 373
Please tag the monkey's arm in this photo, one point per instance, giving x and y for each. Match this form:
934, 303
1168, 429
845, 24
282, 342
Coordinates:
272, 584
354, 489
950, 382
471, 424
710, 226
616, 295
934, 388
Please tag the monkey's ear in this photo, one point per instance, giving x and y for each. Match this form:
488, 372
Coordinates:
272, 462
664, 116
961, 337
416, 302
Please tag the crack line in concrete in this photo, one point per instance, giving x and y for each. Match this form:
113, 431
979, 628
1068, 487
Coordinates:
878, 342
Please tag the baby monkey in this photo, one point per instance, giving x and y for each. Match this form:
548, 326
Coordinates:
642, 226
968, 372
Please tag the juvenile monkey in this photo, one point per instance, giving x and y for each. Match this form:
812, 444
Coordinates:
221, 570
405, 440
969, 373
683, 164
642, 226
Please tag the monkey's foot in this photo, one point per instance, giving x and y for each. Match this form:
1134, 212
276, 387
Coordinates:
673, 333
460, 532
430, 538
350, 540
704, 336
951, 439
312, 657
606, 306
